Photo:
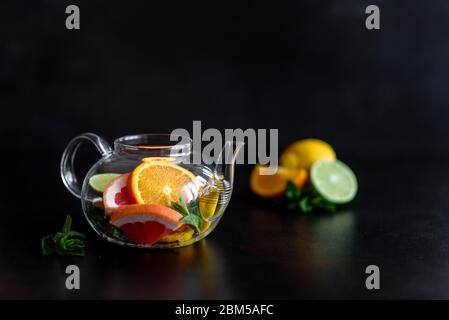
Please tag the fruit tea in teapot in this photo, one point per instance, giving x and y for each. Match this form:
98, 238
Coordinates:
147, 193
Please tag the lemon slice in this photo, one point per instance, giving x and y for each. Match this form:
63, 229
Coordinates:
208, 203
185, 233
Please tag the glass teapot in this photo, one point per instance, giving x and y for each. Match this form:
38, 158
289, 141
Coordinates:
148, 193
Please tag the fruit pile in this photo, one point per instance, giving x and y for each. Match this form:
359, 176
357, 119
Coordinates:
156, 202
309, 178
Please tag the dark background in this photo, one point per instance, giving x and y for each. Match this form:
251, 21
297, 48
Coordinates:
308, 68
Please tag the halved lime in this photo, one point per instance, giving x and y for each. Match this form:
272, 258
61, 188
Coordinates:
334, 181
100, 181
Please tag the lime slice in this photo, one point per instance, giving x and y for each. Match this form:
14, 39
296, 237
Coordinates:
100, 181
334, 181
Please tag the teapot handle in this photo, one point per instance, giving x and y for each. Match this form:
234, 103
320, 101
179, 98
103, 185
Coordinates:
68, 159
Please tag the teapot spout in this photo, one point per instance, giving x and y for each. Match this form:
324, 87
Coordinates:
225, 165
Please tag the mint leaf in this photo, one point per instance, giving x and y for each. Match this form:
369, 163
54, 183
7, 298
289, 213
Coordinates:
193, 207
116, 232
306, 200
177, 207
66, 242
193, 220
47, 245
324, 204
76, 234
292, 192
183, 204
73, 247
67, 225
191, 213
305, 205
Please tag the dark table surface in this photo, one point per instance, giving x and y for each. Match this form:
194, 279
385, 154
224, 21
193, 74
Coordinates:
399, 222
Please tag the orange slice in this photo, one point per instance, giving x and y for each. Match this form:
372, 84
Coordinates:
158, 182
271, 186
146, 223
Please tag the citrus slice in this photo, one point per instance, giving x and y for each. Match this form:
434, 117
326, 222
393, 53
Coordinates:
208, 202
185, 233
158, 182
99, 182
146, 223
271, 186
205, 226
116, 194
304, 153
334, 181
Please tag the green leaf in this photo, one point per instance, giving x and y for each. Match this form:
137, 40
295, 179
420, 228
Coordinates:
58, 235
96, 215
306, 200
193, 207
73, 247
74, 243
76, 252
116, 232
67, 225
60, 248
66, 242
193, 220
76, 234
177, 207
183, 204
305, 205
47, 245
292, 192
321, 203
191, 213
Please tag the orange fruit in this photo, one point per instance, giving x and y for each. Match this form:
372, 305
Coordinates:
158, 182
146, 223
272, 186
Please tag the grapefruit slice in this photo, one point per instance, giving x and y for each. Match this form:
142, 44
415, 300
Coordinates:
116, 194
146, 223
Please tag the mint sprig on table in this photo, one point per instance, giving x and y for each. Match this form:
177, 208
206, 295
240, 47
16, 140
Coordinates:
64, 242
307, 200
191, 213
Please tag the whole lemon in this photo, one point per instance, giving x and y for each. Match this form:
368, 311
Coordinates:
303, 153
